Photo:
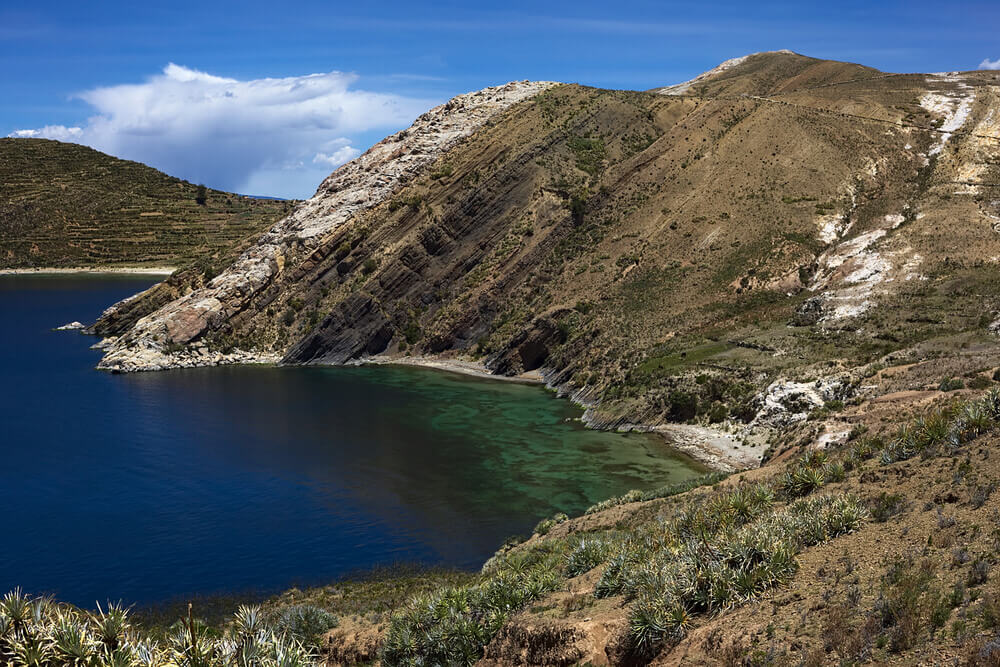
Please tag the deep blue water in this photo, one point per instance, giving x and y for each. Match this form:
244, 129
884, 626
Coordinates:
151, 486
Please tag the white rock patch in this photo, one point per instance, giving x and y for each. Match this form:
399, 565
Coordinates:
954, 110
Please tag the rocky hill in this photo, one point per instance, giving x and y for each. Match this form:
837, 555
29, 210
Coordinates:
64, 205
734, 250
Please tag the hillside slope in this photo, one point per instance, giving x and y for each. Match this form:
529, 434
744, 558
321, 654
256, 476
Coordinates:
65, 205
878, 551
662, 257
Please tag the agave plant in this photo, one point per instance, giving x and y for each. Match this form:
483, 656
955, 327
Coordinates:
111, 627
72, 641
588, 553
32, 650
16, 608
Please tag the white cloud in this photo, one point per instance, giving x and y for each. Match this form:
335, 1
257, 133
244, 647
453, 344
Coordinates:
337, 157
232, 134
60, 132
989, 64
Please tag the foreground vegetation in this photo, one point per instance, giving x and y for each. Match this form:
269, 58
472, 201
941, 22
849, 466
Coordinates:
715, 551
711, 547
38, 631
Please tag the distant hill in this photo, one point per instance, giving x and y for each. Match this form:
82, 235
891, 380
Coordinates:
65, 205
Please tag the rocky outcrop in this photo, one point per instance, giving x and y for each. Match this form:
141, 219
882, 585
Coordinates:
357, 186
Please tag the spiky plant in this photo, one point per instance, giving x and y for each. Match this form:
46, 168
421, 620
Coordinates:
30, 650
973, 420
72, 641
834, 472
16, 607
111, 626
588, 553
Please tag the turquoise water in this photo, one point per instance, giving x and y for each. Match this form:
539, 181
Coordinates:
149, 486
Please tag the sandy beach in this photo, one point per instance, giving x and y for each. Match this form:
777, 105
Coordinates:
474, 368
137, 270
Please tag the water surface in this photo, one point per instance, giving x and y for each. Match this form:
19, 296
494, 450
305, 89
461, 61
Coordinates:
148, 486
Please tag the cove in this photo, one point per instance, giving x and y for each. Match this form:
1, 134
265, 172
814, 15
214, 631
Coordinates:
151, 486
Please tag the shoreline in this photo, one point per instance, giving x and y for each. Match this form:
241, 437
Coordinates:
471, 368
709, 447
712, 448
129, 270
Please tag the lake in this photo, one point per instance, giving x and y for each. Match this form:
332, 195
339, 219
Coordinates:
151, 486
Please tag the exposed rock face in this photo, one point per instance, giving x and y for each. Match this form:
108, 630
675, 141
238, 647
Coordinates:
357, 186
786, 402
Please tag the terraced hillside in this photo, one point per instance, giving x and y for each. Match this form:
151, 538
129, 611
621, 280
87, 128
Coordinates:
65, 205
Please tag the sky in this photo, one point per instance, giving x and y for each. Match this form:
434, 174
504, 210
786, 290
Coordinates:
267, 98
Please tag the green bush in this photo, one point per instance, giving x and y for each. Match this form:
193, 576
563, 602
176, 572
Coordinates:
545, 525
305, 622
951, 384
588, 553
979, 382
887, 505
451, 626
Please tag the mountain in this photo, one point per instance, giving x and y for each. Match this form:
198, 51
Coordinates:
714, 251
65, 205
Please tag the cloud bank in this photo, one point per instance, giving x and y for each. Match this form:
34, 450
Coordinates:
278, 137
989, 64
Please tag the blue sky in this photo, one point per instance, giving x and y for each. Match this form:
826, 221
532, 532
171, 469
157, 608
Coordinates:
97, 72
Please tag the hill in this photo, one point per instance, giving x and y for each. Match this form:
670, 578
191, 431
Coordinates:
65, 205
759, 241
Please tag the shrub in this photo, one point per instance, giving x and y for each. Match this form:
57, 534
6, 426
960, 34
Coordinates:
369, 266
545, 525
201, 195
683, 406
951, 384
834, 472
980, 493
907, 603
979, 571
979, 382
717, 412
577, 208
305, 622
586, 555
989, 612
445, 171
662, 492
887, 505
705, 572
451, 626
800, 481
